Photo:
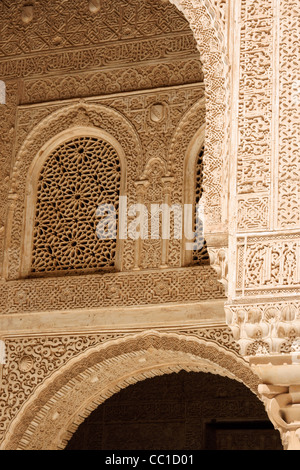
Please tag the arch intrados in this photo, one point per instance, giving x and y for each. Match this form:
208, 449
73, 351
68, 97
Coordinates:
64, 136
58, 118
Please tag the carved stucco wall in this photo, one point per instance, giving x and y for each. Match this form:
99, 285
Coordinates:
129, 120
250, 63
16, 70
41, 79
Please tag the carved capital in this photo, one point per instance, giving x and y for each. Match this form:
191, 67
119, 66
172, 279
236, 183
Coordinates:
168, 182
265, 328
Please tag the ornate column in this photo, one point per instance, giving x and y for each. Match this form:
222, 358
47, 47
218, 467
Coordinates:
8, 252
167, 186
280, 392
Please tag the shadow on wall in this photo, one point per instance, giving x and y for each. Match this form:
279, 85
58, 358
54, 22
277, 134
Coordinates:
185, 411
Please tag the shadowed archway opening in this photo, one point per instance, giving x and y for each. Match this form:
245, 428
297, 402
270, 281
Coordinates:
184, 411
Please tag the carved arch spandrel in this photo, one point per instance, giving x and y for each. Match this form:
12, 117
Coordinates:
206, 24
55, 410
66, 120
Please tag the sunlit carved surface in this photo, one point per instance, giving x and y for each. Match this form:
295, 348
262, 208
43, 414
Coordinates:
118, 97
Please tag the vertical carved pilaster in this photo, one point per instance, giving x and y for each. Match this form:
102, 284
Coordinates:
12, 198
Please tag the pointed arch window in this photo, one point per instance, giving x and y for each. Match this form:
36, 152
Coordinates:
77, 176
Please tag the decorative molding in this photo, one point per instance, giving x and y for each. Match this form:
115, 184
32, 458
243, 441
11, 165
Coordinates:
193, 284
113, 80
265, 328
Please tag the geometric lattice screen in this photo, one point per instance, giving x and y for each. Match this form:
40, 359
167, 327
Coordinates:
76, 178
200, 255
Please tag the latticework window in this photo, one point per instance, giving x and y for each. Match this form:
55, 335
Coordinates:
200, 255
77, 177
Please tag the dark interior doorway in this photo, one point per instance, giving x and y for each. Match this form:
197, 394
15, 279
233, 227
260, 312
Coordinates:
185, 411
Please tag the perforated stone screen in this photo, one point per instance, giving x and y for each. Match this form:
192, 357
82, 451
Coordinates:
76, 178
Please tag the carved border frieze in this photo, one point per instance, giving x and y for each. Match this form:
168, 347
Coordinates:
104, 57
110, 290
105, 82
